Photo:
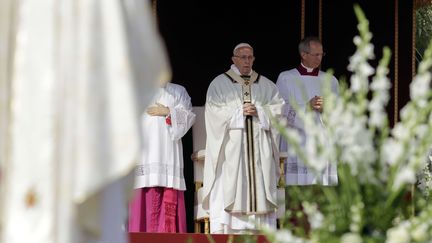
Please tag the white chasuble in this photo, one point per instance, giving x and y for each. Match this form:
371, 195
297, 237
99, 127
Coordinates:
227, 179
161, 161
295, 86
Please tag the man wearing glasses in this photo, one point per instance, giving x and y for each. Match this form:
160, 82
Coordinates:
303, 85
241, 162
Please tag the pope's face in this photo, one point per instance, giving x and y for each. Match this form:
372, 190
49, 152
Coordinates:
313, 58
243, 59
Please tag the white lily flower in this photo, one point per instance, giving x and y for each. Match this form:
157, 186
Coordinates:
285, 236
357, 40
351, 238
405, 175
401, 132
420, 233
392, 151
398, 235
366, 69
381, 83
369, 51
419, 87
356, 83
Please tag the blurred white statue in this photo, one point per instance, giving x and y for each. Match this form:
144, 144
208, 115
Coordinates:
75, 75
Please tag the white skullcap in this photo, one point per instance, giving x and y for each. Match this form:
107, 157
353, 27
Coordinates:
241, 45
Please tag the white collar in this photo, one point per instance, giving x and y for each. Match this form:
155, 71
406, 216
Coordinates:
309, 70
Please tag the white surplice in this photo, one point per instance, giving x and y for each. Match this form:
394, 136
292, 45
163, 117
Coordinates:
162, 154
293, 86
226, 192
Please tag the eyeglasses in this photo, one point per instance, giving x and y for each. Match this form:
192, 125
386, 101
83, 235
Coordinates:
244, 58
317, 54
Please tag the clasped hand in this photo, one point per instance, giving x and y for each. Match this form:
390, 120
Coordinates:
249, 109
316, 103
158, 110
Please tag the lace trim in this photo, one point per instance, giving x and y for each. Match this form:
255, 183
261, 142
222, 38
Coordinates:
301, 169
181, 117
293, 168
157, 168
296, 168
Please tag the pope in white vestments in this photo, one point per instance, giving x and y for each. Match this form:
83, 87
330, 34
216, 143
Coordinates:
305, 80
241, 162
158, 205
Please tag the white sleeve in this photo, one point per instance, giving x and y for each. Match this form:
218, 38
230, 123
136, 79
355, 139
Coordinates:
284, 92
264, 120
237, 120
182, 117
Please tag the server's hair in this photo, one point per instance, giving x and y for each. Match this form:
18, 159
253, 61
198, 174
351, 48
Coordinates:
304, 45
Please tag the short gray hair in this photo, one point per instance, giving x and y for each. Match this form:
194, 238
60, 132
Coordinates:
304, 45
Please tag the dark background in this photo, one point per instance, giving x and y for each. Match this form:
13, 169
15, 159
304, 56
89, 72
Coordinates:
200, 37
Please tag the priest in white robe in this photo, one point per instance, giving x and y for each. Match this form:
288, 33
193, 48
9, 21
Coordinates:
158, 204
305, 80
241, 162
